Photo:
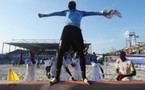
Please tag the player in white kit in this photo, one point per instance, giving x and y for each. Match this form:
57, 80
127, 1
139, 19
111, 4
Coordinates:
30, 67
47, 64
124, 68
77, 69
96, 67
53, 66
65, 73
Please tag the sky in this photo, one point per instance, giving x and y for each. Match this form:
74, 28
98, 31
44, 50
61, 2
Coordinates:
19, 20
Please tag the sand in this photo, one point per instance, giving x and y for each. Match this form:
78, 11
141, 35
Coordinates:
40, 72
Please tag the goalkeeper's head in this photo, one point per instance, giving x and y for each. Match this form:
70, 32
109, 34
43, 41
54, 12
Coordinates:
72, 5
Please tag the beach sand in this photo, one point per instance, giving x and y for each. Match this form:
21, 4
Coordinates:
40, 72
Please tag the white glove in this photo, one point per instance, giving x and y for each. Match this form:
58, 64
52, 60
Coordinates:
111, 13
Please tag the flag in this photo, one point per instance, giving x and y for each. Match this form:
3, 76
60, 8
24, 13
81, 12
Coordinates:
12, 75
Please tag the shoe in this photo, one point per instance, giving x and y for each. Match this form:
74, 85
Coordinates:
53, 81
86, 81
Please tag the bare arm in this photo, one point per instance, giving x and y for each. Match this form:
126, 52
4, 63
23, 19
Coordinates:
133, 71
32, 56
102, 72
68, 71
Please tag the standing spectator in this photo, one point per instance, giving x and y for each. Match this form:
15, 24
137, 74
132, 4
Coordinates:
93, 57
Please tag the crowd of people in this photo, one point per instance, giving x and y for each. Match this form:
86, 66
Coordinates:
70, 58
138, 48
125, 69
